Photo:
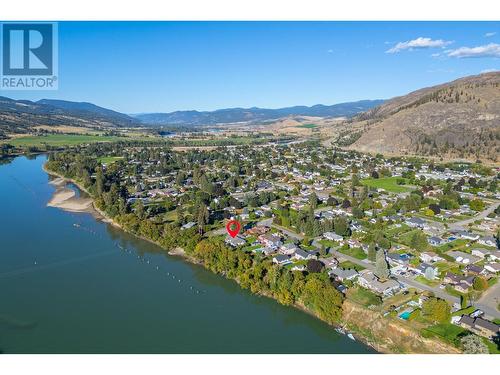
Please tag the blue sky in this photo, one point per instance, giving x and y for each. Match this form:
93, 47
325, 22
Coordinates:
137, 67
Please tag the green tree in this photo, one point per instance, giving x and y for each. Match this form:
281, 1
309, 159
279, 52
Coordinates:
139, 210
372, 252
202, 217
476, 205
419, 241
341, 226
436, 310
313, 200
480, 283
381, 266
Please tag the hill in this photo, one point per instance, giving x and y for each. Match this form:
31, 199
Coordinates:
21, 116
237, 115
459, 119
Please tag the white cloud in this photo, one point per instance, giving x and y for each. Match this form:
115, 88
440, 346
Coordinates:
489, 35
488, 50
418, 43
488, 71
435, 55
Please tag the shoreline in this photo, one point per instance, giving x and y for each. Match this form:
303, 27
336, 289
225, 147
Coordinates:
179, 252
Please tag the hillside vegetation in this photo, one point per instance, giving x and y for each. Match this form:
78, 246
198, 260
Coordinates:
460, 119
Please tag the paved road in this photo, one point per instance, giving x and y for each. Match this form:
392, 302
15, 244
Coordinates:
479, 216
404, 280
490, 300
487, 303
484, 305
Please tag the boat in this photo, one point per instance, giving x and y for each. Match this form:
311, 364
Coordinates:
351, 336
340, 330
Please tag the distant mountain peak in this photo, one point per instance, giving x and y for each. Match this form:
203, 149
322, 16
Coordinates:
254, 114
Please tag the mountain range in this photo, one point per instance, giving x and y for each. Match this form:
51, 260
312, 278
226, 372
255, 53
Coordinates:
455, 119
18, 116
237, 115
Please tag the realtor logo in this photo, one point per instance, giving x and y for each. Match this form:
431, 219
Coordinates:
29, 56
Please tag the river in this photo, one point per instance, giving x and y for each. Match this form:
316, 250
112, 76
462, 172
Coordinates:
72, 284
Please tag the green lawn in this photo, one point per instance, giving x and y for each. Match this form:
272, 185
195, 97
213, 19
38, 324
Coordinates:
405, 238
348, 265
364, 296
447, 331
109, 159
451, 245
355, 252
423, 280
466, 311
61, 140
387, 183
171, 215
307, 126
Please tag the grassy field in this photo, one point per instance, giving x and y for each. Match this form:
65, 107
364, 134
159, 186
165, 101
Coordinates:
355, 252
348, 265
109, 159
363, 296
62, 140
386, 183
307, 126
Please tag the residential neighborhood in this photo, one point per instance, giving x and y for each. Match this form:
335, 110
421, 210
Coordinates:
380, 229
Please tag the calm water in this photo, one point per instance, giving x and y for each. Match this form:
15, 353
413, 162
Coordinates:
95, 289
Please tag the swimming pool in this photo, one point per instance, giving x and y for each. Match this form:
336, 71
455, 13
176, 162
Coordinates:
405, 315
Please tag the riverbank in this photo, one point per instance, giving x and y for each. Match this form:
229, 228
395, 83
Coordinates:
368, 328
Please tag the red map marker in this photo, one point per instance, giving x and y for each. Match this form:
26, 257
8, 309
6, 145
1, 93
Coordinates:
233, 227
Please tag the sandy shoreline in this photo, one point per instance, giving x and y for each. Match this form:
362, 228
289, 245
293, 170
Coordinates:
66, 199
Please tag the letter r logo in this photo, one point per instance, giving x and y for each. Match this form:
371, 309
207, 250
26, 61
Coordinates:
27, 49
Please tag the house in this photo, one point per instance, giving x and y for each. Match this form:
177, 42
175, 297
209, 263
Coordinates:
281, 259
342, 275
300, 267
492, 267
395, 259
188, 225
472, 269
368, 280
257, 230
333, 236
429, 257
264, 250
303, 255
486, 328
330, 262
353, 243
288, 249
271, 240
462, 287
356, 227
480, 326
464, 258
430, 272
495, 255
435, 241
481, 253
451, 278
467, 235
487, 241
236, 241
416, 222
245, 214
